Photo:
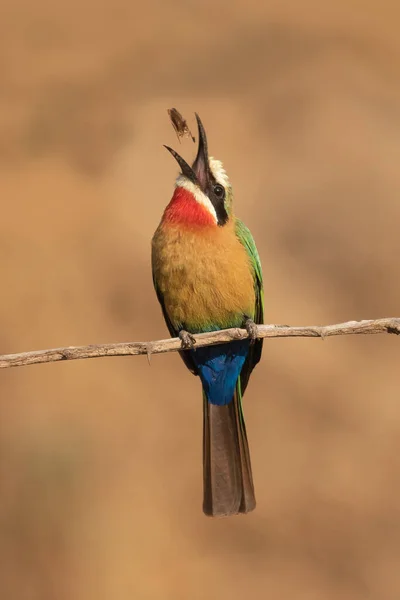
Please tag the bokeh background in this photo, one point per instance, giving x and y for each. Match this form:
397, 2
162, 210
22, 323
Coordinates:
100, 461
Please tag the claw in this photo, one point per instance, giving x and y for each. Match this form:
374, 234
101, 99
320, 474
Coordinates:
251, 329
187, 340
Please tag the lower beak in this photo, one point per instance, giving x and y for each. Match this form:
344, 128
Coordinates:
186, 170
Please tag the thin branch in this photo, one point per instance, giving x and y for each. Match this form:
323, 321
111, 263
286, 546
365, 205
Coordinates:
389, 325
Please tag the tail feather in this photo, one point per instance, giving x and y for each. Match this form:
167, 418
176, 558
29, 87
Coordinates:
228, 480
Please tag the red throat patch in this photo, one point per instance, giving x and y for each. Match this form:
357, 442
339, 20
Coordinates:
185, 210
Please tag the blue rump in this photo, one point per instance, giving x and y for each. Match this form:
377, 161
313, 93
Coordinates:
219, 368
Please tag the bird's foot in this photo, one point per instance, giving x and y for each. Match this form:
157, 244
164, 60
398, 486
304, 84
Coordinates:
187, 340
251, 329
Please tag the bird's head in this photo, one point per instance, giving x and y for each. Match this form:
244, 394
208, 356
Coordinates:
203, 193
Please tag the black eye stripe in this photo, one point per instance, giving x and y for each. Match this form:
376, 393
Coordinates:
218, 200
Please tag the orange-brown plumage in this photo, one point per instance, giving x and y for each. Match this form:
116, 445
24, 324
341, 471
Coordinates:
204, 275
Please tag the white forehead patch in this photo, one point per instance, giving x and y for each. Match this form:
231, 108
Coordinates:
201, 198
219, 172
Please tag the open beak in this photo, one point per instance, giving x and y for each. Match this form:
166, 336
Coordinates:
198, 173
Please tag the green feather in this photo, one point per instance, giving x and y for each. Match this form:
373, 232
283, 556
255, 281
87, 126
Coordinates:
246, 239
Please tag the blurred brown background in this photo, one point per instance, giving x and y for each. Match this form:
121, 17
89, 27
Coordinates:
100, 461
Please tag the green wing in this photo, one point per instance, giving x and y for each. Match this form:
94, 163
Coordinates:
245, 238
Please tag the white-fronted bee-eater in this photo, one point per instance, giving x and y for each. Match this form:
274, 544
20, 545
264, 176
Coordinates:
207, 275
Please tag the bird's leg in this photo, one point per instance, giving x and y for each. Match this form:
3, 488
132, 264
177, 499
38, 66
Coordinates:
187, 340
251, 329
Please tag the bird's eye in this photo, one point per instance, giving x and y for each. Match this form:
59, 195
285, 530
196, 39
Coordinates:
219, 191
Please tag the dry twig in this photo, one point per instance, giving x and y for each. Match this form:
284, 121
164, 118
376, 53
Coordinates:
389, 325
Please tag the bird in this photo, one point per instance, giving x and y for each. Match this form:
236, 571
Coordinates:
207, 277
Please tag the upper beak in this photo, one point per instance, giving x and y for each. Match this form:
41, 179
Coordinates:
198, 173
200, 165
